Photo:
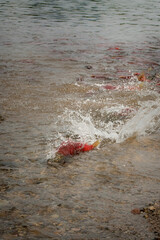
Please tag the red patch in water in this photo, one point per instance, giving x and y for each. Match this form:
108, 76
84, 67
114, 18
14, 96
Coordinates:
129, 76
109, 87
99, 76
125, 77
142, 78
114, 48
73, 148
126, 111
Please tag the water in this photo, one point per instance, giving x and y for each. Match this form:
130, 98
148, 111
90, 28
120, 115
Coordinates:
67, 71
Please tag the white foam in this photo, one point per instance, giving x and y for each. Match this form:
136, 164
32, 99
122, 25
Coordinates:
145, 120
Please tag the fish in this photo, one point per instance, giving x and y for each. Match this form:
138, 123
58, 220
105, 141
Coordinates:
110, 87
97, 76
126, 111
129, 76
142, 78
72, 148
114, 48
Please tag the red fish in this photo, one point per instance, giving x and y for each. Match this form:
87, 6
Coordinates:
126, 111
110, 87
114, 48
129, 76
70, 148
73, 148
142, 78
100, 76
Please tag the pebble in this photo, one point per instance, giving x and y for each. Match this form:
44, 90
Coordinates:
136, 211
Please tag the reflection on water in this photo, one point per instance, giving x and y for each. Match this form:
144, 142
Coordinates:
70, 70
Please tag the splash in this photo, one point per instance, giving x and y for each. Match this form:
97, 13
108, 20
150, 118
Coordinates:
115, 123
146, 121
90, 129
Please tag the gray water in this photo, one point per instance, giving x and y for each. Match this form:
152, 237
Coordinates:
56, 58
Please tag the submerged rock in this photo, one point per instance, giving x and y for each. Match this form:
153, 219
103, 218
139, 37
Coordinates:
136, 211
1, 119
88, 67
55, 162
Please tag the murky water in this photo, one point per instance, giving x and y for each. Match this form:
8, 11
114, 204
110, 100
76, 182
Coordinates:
68, 70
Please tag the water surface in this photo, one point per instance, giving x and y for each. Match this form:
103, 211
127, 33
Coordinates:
68, 70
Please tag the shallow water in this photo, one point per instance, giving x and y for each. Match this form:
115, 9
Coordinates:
67, 71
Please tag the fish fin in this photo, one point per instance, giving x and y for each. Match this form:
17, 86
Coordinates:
95, 144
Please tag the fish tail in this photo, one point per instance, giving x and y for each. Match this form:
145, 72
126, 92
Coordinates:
95, 144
